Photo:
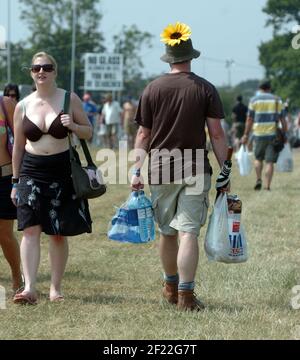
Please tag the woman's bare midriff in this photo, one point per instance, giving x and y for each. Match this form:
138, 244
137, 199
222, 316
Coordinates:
47, 145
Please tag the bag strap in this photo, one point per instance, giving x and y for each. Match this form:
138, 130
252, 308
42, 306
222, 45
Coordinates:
276, 110
82, 141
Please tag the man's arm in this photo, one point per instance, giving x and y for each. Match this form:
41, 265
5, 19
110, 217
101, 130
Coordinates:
218, 140
248, 127
141, 148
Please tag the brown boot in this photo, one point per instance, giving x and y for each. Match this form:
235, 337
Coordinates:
187, 300
170, 292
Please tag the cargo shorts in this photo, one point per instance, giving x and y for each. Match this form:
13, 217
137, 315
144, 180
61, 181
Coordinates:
181, 207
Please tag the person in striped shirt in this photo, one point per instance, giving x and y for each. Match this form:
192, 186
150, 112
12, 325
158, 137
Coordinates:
265, 111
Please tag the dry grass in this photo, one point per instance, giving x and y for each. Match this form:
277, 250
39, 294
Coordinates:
113, 290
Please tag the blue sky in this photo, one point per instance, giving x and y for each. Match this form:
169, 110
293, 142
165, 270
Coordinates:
221, 29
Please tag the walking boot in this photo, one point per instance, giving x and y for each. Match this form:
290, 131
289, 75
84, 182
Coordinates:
170, 292
187, 300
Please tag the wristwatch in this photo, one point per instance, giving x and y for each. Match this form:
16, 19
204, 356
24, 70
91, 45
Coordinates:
14, 180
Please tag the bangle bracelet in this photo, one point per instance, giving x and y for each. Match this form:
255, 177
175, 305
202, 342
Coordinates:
14, 180
14, 185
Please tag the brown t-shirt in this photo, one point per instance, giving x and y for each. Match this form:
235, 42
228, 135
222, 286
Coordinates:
175, 108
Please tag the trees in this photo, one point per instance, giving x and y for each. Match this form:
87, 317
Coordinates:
129, 42
50, 24
280, 59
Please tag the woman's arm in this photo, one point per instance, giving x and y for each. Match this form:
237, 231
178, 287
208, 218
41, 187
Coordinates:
77, 120
10, 108
19, 140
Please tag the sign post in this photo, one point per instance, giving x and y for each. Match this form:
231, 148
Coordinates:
103, 72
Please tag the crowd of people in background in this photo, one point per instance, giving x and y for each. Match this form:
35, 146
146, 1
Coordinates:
110, 120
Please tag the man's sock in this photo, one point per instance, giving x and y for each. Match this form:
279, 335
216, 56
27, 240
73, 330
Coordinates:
186, 285
171, 278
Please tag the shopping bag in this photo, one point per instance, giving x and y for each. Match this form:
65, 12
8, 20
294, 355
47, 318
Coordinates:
133, 222
225, 239
244, 161
285, 159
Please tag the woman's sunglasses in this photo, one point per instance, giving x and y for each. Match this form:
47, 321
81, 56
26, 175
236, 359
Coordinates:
45, 67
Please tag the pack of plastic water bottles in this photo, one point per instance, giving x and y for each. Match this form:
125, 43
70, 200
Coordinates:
133, 222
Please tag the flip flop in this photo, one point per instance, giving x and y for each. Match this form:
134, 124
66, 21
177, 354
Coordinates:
58, 298
24, 299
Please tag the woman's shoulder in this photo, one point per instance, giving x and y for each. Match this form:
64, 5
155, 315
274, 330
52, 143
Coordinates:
29, 97
8, 103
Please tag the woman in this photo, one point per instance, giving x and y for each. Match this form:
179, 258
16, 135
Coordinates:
12, 91
8, 242
42, 185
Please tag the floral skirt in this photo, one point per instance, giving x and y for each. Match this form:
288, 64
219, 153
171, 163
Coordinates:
46, 197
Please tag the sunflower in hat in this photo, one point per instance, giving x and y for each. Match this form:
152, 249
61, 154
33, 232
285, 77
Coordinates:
174, 34
178, 44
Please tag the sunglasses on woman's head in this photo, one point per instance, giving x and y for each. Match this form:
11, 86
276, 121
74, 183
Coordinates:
45, 67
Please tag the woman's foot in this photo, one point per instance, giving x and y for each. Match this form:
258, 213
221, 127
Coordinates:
18, 285
55, 295
58, 298
25, 297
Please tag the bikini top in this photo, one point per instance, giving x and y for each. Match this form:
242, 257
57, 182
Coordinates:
33, 133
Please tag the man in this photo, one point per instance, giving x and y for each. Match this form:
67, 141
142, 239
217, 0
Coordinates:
111, 117
90, 109
130, 127
172, 114
239, 115
265, 111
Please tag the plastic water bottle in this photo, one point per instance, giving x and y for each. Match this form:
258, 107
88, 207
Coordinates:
133, 205
145, 215
149, 218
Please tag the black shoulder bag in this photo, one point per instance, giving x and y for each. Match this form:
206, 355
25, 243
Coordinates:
278, 142
87, 180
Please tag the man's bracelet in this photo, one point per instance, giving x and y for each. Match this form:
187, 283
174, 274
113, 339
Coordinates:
136, 172
14, 185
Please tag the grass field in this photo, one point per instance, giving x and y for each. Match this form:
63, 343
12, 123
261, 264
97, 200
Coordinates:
113, 290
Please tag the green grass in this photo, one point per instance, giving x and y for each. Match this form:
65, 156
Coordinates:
113, 290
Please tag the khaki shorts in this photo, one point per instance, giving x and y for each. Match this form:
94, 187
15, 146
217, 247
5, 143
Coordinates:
181, 207
111, 129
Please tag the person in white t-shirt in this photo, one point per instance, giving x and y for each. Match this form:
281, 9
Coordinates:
111, 117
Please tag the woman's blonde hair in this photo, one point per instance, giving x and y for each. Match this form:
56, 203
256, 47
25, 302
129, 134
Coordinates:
44, 54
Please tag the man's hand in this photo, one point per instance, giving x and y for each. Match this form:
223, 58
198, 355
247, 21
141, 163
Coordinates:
137, 183
244, 139
226, 188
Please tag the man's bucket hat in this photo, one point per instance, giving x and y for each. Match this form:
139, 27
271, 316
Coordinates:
178, 45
